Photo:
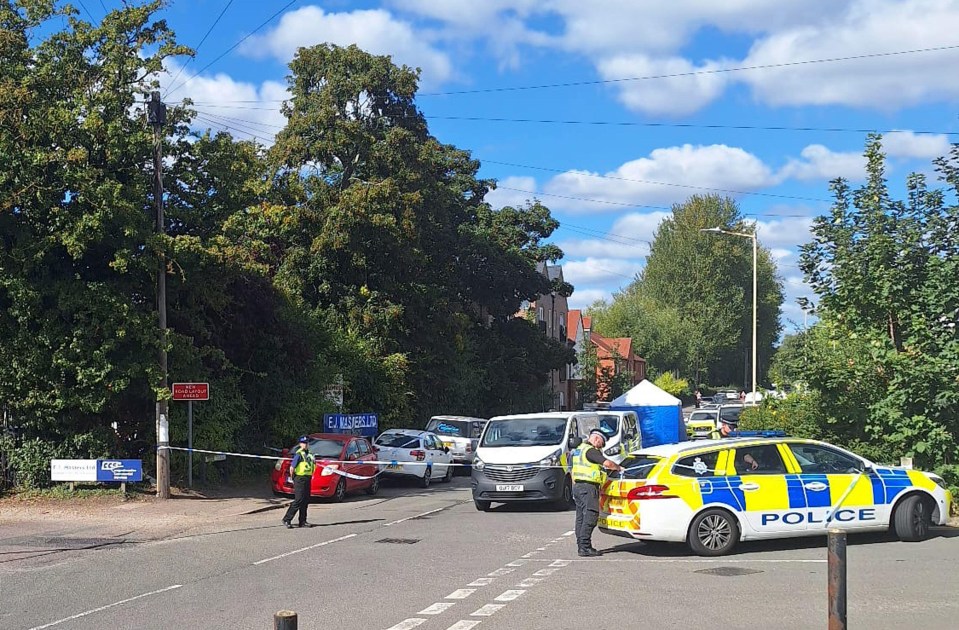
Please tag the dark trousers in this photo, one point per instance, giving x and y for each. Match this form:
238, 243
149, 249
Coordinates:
586, 497
301, 498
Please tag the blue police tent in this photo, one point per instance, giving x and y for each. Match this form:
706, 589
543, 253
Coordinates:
660, 414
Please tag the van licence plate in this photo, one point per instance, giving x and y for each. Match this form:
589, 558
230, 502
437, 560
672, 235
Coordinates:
510, 488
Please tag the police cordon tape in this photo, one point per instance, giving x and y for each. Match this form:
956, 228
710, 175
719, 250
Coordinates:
330, 466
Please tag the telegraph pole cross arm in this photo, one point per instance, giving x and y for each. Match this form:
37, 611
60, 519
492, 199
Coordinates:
156, 117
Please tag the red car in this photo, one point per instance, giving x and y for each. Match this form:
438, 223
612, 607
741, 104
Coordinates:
352, 454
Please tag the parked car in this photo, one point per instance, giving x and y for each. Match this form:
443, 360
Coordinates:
414, 453
333, 452
460, 433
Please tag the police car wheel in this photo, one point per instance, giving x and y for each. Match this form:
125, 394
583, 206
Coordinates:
713, 533
340, 493
913, 518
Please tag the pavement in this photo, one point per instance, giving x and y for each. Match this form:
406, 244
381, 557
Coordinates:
413, 558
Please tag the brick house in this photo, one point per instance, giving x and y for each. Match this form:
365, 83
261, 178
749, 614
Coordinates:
615, 354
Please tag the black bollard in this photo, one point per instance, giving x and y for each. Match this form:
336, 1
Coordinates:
284, 620
837, 579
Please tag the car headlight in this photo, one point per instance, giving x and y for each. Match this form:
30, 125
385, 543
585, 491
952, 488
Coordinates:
612, 450
939, 481
478, 463
552, 460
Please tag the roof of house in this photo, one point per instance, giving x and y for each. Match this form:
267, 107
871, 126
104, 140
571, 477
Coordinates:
573, 319
587, 323
607, 347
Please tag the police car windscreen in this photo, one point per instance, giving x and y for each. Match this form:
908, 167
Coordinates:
525, 432
325, 448
639, 466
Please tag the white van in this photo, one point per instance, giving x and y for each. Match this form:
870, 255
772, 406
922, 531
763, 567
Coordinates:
622, 433
525, 457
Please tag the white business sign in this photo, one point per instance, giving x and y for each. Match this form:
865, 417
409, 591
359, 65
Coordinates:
73, 470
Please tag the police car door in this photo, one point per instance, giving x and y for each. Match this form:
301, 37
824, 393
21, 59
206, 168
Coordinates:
835, 491
761, 482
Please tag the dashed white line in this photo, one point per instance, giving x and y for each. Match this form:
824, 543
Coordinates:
560, 563
486, 610
546, 571
516, 563
290, 553
407, 624
508, 596
500, 572
569, 533
410, 518
465, 624
481, 582
530, 581
101, 608
437, 608
461, 593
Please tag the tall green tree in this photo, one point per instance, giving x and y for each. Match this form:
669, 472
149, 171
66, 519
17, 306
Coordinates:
884, 270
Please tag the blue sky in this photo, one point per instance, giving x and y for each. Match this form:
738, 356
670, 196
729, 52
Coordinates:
611, 184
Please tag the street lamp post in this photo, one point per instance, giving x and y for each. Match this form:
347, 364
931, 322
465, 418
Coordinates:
718, 230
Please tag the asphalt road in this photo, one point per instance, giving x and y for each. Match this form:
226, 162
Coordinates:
427, 559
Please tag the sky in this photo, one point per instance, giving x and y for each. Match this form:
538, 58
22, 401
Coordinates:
611, 111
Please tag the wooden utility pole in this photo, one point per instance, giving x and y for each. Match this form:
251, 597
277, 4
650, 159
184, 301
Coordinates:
156, 112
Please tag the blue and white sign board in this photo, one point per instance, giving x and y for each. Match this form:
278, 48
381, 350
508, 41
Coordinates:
105, 470
356, 423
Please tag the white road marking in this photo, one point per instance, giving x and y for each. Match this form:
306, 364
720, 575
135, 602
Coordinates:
528, 555
435, 609
530, 581
486, 610
500, 572
102, 608
290, 553
465, 624
560, 563
694, 561
461, 593
508, 596
481, 582
410, 518
545, 572
541, 549
407, 624
516, 563
569, 533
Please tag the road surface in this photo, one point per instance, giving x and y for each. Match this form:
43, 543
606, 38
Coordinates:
428, 559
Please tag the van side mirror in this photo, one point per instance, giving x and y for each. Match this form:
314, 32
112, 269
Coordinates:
574, 441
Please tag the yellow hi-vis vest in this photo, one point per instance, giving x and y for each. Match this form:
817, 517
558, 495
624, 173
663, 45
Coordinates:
585, 470
306, 465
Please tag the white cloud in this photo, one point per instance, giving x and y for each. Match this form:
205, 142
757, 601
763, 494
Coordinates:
906, 144
592, 271
673, 96
512, 191
820, 162
865, 27
583, 298
782, 234
661, 178
375, 31
260, 119
627, 239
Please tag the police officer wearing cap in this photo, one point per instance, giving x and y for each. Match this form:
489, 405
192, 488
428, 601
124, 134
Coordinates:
303, 465
588, 476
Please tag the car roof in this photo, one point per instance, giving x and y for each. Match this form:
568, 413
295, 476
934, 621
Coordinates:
410, 432
666, 450
338, 437
471, 418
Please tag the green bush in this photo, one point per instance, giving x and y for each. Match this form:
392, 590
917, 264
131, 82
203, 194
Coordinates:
30, 458
671, 385
798, 415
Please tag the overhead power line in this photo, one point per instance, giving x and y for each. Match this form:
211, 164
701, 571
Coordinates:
234, 46
198, 46
674, 75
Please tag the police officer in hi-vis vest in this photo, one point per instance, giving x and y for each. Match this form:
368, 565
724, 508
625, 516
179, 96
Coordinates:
302, 468
588, 476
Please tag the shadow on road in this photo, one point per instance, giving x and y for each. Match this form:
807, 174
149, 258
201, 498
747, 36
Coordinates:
671, 550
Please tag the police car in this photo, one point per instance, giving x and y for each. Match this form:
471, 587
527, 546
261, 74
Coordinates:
713, 494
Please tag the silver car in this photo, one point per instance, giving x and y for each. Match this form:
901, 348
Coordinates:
459, 433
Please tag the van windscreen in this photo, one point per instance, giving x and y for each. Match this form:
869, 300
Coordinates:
525, 432
609, 424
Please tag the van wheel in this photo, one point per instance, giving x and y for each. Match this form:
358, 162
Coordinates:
913, 519
482, 506
713, 533
566, 502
